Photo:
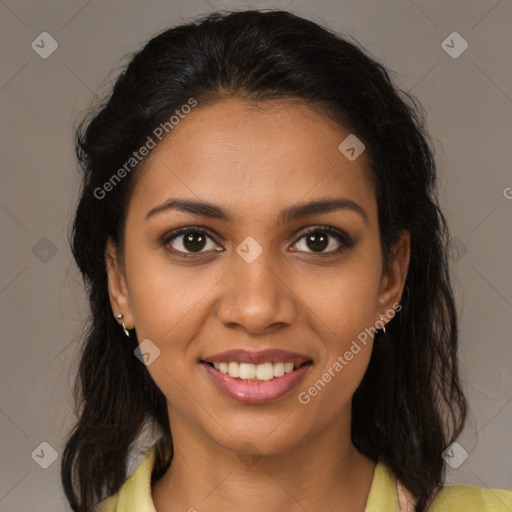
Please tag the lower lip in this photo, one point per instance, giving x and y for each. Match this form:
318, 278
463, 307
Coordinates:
256, 391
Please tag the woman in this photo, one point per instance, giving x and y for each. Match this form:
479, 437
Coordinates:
267, 270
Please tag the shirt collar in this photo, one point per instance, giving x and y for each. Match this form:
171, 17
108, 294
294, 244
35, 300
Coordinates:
135, 493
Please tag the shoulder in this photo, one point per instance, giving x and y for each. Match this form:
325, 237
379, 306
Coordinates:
472, 498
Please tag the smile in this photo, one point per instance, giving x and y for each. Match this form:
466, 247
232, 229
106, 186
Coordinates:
256, 377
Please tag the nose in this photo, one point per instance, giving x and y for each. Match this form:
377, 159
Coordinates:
257, 297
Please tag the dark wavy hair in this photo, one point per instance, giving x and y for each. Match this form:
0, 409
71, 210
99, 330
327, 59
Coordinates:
410, 404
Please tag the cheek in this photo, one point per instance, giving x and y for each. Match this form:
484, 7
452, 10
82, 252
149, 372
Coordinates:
345, 309
168, 306
168, 301
345, 314
345, 302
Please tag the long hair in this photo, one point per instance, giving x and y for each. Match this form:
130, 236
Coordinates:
410, 404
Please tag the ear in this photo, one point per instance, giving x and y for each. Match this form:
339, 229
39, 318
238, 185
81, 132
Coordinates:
393, 279
117, 287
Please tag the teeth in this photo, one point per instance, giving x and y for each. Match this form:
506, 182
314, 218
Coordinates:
288, 367
247, 371
233, 369
278, 369
265, 371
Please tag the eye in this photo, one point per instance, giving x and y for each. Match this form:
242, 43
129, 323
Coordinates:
317, 239
189, 240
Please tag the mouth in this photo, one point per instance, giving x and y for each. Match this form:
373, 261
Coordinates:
256, 377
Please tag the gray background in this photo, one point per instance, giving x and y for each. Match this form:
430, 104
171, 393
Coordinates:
469, 104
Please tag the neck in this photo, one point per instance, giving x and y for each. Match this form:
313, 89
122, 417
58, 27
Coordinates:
325, 472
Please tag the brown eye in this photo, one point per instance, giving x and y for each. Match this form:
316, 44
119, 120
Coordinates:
318, 239
194, 242
189, 241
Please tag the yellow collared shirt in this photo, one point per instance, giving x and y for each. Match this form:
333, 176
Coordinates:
135, 494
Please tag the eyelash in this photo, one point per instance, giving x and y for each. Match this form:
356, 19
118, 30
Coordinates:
345, 241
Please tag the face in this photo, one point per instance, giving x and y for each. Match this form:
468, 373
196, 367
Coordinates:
255, 272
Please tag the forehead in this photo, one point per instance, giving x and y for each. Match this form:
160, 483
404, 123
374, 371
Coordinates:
253, 158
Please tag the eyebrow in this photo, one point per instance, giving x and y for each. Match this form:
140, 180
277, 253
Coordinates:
291, 213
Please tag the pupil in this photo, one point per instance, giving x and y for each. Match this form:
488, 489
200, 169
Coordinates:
317, 241
194, 241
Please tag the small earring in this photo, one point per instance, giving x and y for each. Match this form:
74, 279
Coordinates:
383, 325
120, 317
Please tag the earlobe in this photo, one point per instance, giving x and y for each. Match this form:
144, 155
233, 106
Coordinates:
117, 288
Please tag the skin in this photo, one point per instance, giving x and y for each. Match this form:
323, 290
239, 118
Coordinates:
256, 160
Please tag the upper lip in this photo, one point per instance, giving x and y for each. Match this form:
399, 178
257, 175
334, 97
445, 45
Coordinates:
258, 357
